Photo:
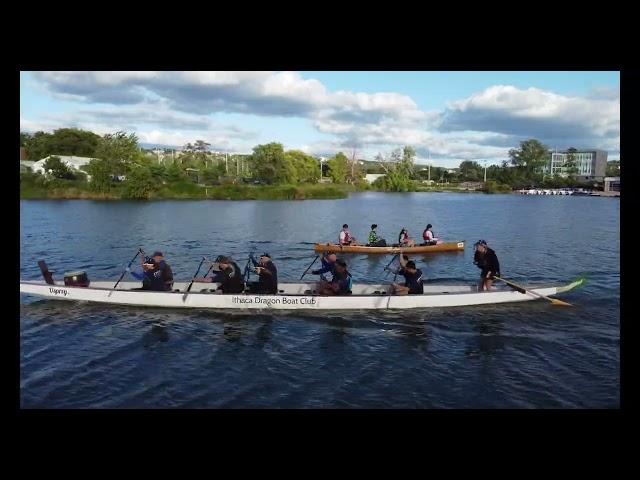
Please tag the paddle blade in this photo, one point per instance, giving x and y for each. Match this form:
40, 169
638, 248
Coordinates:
560, 303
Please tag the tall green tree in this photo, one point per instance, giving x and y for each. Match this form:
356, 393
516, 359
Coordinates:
306, 167
338, 167
119, 151
270, 165
531, 154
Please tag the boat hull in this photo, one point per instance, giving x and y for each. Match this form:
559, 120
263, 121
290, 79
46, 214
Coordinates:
298, 296
334, 248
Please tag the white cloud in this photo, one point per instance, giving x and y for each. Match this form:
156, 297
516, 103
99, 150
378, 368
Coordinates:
176, 107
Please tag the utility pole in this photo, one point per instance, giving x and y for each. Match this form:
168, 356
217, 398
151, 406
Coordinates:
485, 171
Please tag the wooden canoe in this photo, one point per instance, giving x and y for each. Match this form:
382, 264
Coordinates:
334, 248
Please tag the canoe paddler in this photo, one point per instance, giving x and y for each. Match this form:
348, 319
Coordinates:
156, 273
345, 237
487, 261
267, 274
374, 239
404, 240
227, 273
341, 282
413, 281
428, 237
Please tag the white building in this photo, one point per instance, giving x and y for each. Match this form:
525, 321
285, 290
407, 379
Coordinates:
73, 162
372, 177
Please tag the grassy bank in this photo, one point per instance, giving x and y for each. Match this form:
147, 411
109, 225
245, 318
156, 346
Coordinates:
61, 189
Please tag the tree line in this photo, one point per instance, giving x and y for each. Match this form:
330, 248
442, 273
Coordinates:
119, 155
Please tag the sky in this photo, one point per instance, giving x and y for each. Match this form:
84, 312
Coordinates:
447, 117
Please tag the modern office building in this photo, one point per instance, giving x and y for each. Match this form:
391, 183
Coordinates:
590, 164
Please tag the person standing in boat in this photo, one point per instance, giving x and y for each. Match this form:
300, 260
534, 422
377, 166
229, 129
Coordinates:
487, 261
227, 274
341, 282
413, 281
267, 273
156, 273
374, 239
428, 237
404, 240
345, 237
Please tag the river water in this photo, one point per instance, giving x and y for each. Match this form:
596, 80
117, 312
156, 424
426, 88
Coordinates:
527, 355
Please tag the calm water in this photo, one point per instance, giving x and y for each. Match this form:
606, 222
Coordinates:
529, 355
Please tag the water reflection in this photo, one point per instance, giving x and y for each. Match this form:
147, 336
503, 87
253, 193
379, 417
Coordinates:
157, 333
490, 337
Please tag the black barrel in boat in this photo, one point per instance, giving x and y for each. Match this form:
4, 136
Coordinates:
76, 279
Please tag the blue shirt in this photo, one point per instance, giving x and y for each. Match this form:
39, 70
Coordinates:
326, 267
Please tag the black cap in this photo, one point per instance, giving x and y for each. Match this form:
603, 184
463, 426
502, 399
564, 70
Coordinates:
480, 242
157, 254
341, 262
222, 259
374, 226
411, 264
266, 255
345, 226
429, 225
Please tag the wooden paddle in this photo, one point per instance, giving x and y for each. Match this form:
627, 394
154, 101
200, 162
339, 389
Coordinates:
520, 289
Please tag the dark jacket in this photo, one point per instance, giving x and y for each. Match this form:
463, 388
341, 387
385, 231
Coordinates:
487, 262
413, 281
159, 279
230, 280
268, 279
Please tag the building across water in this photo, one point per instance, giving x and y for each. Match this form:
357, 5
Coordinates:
590, 164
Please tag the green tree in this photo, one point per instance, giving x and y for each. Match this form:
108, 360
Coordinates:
269, 164
338, 165
58, 169
119, 151
531, 155
570, 163
101, 177
37, 146
140, 184
73, 141
306, 167
613, 168
470, 171
174, 172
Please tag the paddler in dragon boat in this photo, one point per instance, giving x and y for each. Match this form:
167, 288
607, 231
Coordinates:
267, 274
156, 273
340, 284
413, 279
227, 273
487, 261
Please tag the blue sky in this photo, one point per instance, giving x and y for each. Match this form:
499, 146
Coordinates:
454, 116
